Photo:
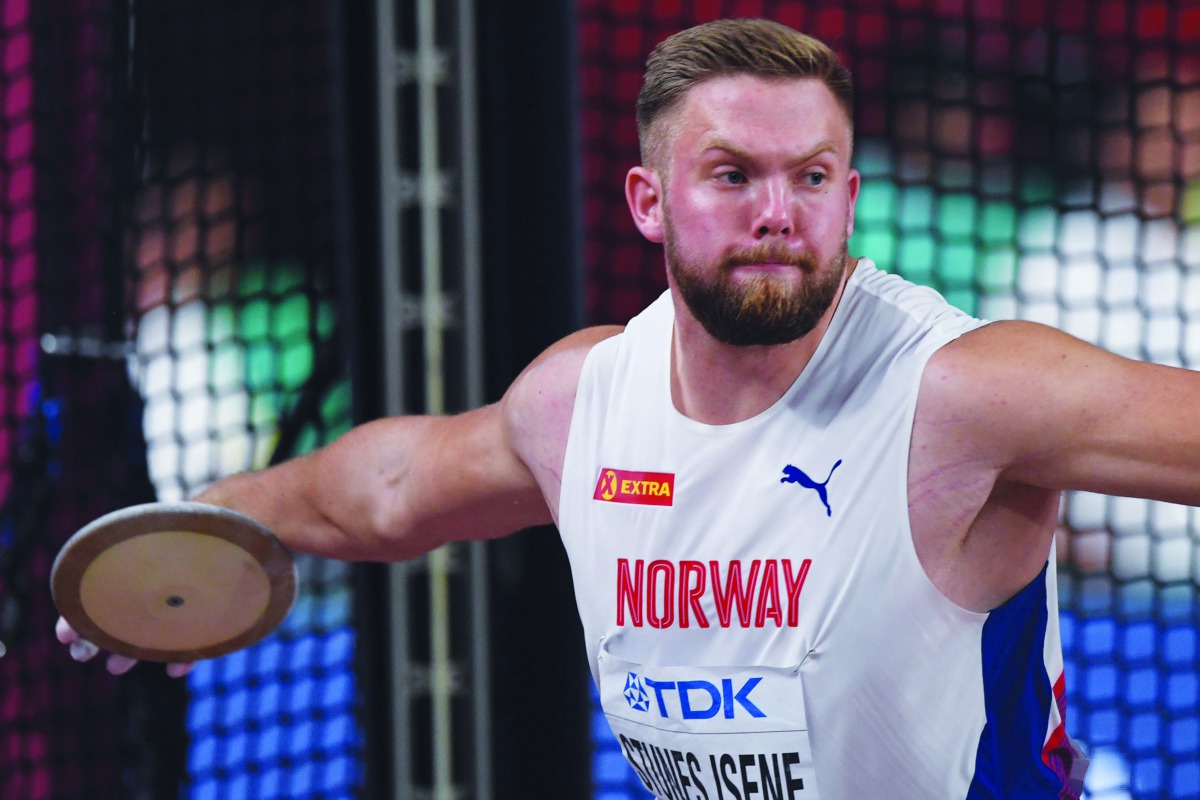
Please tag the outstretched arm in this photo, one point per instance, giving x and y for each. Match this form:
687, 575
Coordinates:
388, 490
1013, 413
395, 488
1057, 413
398, 487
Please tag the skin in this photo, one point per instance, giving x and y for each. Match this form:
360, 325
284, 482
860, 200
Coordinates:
1007, 417
741, 173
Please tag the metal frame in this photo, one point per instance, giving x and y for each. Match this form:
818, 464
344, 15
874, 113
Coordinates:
459, 762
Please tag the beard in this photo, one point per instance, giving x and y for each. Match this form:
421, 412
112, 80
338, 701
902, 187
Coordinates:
762, 309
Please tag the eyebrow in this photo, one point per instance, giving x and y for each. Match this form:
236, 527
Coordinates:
720, 143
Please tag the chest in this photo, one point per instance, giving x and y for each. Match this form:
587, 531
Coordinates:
741, 545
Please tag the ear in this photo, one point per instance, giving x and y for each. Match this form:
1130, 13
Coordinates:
853, 182
643, 193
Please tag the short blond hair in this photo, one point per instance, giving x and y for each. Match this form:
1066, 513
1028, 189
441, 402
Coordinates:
756, 47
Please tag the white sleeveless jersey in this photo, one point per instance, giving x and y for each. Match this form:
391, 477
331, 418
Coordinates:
757, 621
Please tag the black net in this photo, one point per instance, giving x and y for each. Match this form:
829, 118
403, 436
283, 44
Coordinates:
231, 254
1032, 160
167, 316
70, 423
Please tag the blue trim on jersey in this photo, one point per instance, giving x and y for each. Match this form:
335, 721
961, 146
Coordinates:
1018, 697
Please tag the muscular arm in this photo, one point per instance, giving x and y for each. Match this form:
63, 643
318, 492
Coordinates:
395, 488
1054, 412
1013, 413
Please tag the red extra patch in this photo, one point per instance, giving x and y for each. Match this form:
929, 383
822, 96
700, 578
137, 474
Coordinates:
635, 488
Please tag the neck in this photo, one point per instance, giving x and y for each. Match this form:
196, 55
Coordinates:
720, 384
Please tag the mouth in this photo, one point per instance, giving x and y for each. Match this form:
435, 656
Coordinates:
769, 260
766, 265
766, 268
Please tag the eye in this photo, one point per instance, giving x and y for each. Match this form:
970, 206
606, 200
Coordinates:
733, 177
814, 179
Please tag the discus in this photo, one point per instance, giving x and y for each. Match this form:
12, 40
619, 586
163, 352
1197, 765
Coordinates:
173, 582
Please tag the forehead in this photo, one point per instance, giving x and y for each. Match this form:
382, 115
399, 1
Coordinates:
758, 113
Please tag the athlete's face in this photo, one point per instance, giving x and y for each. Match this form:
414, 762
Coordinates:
754, 205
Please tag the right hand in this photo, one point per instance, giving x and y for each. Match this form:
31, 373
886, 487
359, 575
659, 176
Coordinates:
83, 650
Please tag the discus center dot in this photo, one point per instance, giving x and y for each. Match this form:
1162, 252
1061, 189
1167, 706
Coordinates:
175, 601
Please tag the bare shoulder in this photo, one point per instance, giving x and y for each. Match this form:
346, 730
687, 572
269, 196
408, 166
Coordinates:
1002, 349
1018, 391
1012, 413
1052, 411
537, 407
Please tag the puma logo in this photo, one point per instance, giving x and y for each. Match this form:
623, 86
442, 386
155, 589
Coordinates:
796, 475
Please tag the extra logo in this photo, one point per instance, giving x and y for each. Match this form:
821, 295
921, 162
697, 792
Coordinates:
796, 475
635, 488
697, 699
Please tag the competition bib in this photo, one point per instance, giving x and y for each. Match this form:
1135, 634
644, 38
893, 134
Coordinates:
711, 733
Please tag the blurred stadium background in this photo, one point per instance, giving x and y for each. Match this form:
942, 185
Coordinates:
230, 230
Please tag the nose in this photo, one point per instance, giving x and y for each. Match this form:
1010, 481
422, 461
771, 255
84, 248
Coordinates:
773, 216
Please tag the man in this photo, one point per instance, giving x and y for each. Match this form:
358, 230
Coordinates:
809, 507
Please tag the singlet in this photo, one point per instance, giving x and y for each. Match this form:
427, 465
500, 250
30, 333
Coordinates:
757, 621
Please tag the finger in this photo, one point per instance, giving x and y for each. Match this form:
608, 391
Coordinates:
82, 649
65, 633
119, 665
178, 670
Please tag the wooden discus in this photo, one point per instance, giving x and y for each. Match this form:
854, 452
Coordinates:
174, 582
